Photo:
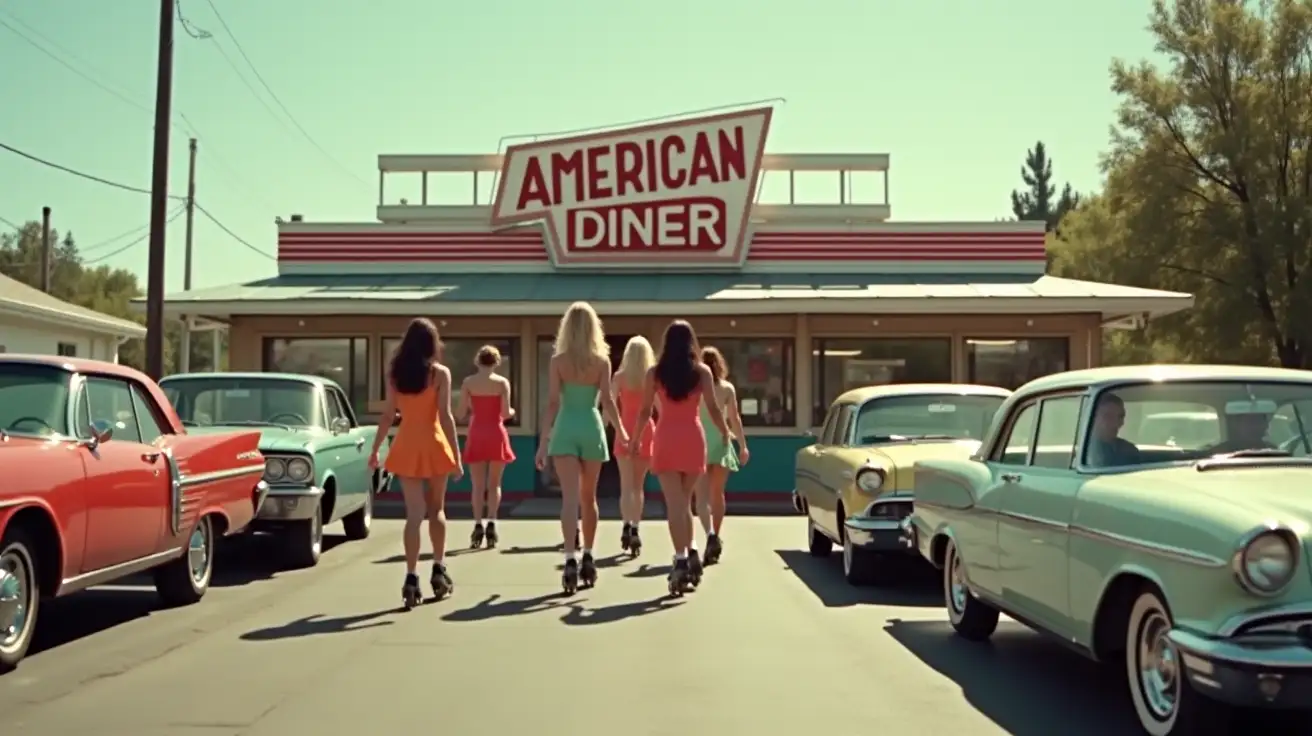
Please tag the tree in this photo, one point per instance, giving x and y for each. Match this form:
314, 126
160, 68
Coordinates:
1037, 202
104, 289
1209, 172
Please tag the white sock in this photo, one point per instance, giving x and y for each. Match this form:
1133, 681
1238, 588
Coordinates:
569, 555
693, 545
587, 551
681, 555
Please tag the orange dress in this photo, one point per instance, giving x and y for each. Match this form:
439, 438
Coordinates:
630, 406
420, 448
679, 445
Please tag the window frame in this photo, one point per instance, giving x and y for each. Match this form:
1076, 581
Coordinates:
789, 361
127, 386
971, 377
1077, 448
817, 364
142, 396
266, 357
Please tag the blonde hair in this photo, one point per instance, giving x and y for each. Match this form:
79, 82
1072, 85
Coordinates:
580, 337
638, 359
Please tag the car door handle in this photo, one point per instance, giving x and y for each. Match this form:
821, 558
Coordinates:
1010, 477
150, 457
359, 443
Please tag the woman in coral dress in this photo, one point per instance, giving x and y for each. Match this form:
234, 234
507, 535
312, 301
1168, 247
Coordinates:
485, 399
422, 453
626, 385
680, 379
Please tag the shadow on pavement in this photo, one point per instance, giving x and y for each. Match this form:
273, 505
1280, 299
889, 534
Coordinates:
580, 615
911, 583
318, 624
248, 559
603, 563
541, 550
496, 607
650, 571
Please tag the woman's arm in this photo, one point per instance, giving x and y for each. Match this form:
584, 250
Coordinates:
648, 403
735, 418
444, 413
609, 408
462, 409
386, 420
507, 411
614, 390
712, 406
553, 402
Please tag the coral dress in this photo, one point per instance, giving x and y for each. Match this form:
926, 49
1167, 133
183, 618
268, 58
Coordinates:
487, 440
630, 401
420, 449
679, 445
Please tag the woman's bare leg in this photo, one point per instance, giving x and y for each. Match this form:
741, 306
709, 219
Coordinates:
641, 466
719, 503
412, 490
568, 470
678, 513
494, 473
477, 489
590, 470
625, 466
437, 517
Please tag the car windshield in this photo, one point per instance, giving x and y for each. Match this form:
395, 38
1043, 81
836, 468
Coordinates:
203, 402
34, 400
1193, 420
934, 416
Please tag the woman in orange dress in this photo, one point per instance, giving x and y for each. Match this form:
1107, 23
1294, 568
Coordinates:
419, 389
678, 458
626, 386
485, 399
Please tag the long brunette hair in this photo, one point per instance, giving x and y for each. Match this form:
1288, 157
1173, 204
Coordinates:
676, 368
412, 365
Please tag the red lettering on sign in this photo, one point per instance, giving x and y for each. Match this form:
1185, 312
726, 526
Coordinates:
690, 223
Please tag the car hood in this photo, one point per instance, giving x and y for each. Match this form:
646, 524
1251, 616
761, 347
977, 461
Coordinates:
272, 439
899, 458
1249, 493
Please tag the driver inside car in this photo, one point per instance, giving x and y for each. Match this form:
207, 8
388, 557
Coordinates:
1107, 449
1246, 428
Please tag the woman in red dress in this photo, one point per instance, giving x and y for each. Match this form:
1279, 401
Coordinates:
485, 399
626, 386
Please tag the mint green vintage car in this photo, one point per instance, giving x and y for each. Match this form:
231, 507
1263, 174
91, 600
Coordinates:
316, 453
1184, 562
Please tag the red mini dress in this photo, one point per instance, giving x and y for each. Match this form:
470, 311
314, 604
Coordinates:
630, 401
487, 440
679, 445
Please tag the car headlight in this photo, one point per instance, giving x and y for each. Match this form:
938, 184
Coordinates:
870, 480
275, 469
299, 470
1267, 563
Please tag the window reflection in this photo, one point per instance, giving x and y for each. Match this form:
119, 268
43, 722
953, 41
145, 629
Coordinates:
840, 365
1012, 363
761, 370
341, 359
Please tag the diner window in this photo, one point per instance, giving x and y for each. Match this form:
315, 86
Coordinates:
838, 365
761, 371
458, 355
341, 359
1013, 363
66, 349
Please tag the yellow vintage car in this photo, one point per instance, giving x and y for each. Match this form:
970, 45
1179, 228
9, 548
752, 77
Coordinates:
855, 483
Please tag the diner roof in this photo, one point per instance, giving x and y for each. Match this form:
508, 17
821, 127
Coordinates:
660, 294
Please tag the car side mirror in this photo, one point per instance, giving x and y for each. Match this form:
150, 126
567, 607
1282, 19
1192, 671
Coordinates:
341, 425
101, 432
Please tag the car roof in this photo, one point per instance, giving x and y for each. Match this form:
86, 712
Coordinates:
77, 365
301, 377
866, 393
1145, 373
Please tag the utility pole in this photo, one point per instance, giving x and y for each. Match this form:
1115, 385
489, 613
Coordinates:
159, 195
184, 360
45, 249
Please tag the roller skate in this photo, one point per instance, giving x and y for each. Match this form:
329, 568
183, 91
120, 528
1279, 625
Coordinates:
587, 571
679, 578
410, 593
492, 537
695, 568
441, 582
569, 580
635, 542
476, 538
626, 536
714, 548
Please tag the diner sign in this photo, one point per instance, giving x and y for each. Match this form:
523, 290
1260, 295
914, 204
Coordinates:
670, 194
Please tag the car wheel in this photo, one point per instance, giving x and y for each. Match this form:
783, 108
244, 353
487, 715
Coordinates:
304, 541
185, 579
817, 543
358, 523
860, 567
1164, 701
971, 617
20, 598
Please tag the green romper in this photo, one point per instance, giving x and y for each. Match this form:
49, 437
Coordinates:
578, 430
719, 451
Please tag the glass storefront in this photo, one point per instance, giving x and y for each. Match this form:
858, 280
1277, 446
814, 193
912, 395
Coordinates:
342, 359
458, 355
838, 365
1012, 363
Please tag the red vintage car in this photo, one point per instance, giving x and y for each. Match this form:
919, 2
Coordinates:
102, 481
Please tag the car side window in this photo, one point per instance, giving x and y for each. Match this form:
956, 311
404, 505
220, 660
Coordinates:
331, 406
148, 421
1015, 449
110, 400
344, 406
827, 432
843, 435
81, 414
1059, 423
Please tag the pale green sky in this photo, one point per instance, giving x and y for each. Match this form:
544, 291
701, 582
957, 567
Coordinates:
955, 90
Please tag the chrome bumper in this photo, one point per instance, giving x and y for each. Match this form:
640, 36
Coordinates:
290, 504
261, 492
10, 602
876, 535
1259, 671
797, 502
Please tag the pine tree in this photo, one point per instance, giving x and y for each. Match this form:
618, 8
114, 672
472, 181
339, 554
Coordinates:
1036, 203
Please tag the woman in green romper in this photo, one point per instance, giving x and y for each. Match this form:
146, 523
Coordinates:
721, 457
573, 434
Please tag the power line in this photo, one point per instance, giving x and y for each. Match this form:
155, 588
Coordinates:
233, 235
75, 172
277, 100
176, 214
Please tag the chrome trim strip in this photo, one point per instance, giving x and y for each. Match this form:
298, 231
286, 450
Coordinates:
175, 493
295, 492
1254, 618
1161, 550
1034, 520
114, 572
215, 475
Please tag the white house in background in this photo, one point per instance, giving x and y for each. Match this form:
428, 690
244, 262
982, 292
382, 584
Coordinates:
32, 321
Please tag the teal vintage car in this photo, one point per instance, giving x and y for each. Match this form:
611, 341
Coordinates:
1183, 562
316, 453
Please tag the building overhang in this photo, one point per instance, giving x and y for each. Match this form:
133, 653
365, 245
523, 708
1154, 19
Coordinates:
100, 324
